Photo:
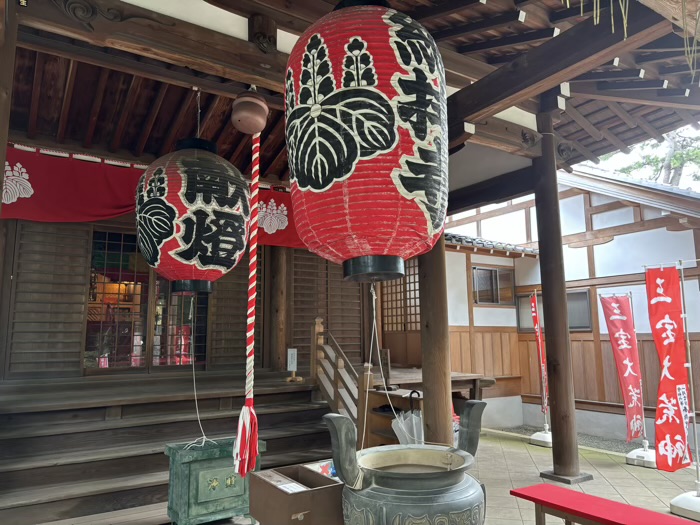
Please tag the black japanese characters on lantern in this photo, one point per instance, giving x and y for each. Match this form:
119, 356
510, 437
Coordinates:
192, 212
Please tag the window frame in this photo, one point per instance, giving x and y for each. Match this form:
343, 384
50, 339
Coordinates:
496, 270
587, 291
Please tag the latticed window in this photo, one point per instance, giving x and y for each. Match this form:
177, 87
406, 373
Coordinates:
117, 303
401, 301
180, 327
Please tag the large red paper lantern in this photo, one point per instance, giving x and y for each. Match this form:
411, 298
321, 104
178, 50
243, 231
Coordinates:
192, 215
366, 132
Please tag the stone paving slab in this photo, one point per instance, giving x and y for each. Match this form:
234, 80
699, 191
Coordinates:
504, 462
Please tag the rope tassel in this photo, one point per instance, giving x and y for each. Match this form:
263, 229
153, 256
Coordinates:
245, 450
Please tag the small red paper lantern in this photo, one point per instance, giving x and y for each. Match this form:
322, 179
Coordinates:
192, 215
366, 132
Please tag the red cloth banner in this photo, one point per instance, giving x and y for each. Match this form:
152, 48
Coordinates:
542, 355
620, 322
45, 188
673, 406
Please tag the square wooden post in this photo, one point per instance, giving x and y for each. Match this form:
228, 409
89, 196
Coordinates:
8, 43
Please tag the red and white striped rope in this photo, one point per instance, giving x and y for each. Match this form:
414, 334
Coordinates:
245, 450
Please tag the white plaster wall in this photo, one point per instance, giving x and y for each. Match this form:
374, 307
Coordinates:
649, 213
598, 198
533, 224
503, 412
524, 198
576, 264
468, 230
639, 304
629, 253
495, 316
457, 295
505, 228
491, 260
573, 216
612, 218
527, 271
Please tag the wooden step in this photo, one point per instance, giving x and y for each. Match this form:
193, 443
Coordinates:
29, 506
272, 435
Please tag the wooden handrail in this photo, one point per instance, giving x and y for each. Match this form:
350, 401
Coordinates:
352, 371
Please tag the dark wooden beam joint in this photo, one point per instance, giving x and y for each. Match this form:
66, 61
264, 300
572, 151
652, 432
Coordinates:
262, 31
583, 47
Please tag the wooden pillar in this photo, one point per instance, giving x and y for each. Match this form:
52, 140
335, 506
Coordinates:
8, 41
556, 319
435, 344
278, 307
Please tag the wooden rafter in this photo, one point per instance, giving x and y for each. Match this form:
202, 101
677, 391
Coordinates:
498, 189
511, 19
146, 33
643, 98
571, 13
450, 7
655, 58
674, 70
151, 119
637, 120
36, 95
688, 118
673, 92
214, 107
529, 37
624, 74
623, 114
279, 164
67, 99
272, 142
125, 112
96, 105
123, 63
583, 47
582, 121
631, 85
178, 121
244, 145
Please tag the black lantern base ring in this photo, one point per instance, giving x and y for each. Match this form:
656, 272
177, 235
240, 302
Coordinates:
191, 286
373, 268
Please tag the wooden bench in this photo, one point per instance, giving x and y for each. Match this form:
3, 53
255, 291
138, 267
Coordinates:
577, 507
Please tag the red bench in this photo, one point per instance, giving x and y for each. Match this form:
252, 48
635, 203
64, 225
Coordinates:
577, 507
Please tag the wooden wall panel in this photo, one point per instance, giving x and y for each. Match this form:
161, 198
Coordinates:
494, 352
318, 290
48, 300
227, 317
396, 343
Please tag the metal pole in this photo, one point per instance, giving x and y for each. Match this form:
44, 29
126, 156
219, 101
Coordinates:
690, 382
645, 441
540, 350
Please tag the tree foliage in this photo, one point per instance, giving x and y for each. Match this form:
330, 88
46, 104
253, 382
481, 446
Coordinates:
679, 154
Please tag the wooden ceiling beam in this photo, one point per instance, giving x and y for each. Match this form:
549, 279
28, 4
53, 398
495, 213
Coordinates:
673, 92
674, 70
143, 32
177, 123
571, 13
583, 47
643, 98
443, 9
670, 42
36, 94
622, 114
512, 19
151, 119
498, 189
125, 112
582, 121
632, 85
95, 109
100, 57
655, 58
67, 99
624, 74
530, 37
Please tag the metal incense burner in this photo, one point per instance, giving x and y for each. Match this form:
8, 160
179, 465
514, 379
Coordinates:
404, 484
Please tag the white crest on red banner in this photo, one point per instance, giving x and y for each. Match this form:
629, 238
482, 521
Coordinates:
17, 185
273, 218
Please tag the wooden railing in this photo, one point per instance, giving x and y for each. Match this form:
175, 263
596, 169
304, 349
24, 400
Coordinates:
337, 380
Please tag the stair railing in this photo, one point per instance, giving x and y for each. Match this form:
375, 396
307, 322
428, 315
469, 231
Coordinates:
336, 378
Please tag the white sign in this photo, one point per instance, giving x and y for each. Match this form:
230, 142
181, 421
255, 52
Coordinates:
291, 359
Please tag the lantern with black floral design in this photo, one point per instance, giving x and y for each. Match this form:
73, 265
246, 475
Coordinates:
366, 129
192, 216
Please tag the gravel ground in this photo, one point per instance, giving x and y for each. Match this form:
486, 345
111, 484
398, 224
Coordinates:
586, 440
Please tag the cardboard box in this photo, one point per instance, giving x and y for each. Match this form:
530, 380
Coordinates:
295, 495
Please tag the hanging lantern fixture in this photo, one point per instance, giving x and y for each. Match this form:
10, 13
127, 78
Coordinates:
366, 109
192, 215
